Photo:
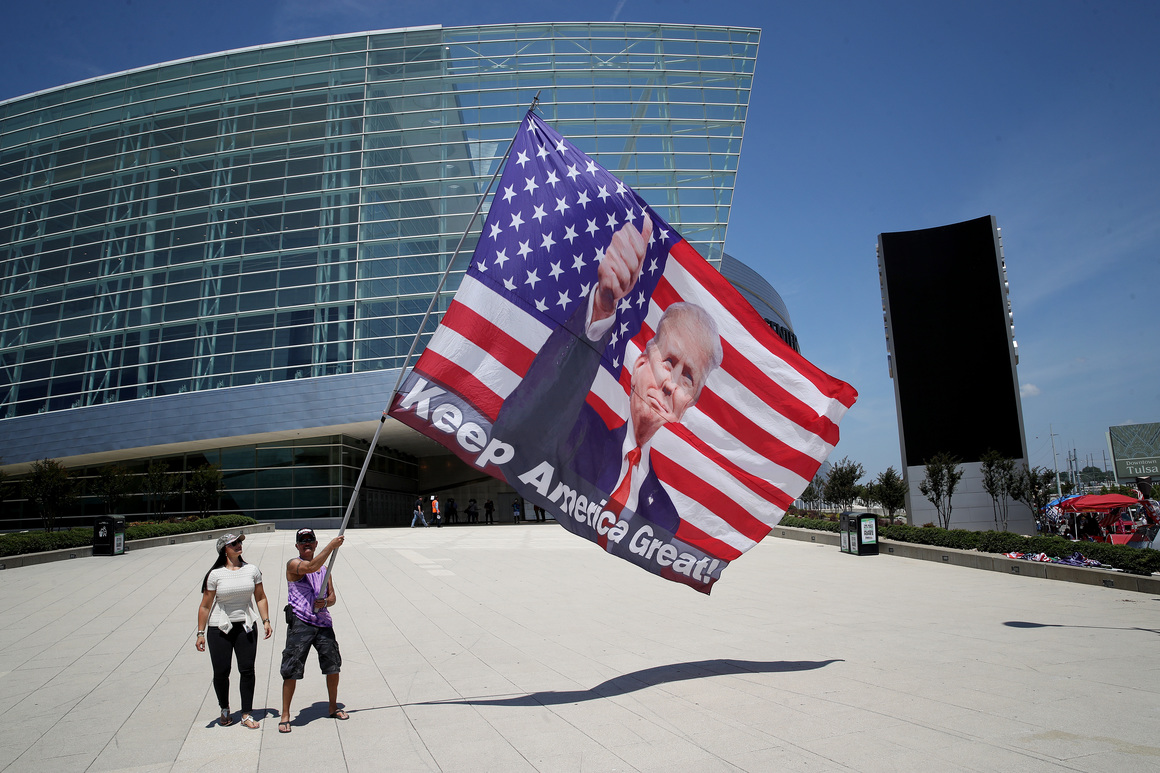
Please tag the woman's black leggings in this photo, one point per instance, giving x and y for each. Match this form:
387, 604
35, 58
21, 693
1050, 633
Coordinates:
221, 647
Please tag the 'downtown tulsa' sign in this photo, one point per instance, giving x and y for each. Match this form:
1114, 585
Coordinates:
1135, 449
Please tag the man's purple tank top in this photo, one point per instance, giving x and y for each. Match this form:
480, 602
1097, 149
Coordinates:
301, 595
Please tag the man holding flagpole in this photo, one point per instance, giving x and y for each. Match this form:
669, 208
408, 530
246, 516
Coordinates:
310, 624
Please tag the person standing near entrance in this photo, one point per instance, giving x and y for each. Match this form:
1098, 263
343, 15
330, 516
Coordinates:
489, 511
435, 514
311, 624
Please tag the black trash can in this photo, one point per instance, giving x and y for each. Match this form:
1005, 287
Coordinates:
859, 533
864, 534
109, 536
844, 531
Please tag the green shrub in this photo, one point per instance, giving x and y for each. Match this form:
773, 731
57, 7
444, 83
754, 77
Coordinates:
20, 543
81, 536
165, 529
817, 524
1129, 559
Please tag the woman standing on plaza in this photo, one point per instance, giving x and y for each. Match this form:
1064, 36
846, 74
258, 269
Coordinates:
226, 594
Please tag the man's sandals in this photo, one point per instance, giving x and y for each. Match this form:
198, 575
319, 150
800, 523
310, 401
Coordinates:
284, 727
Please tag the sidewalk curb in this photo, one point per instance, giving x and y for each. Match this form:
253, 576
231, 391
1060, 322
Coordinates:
86, 551
993, 562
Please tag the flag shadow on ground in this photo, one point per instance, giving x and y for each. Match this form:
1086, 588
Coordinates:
639, 680
1025, 624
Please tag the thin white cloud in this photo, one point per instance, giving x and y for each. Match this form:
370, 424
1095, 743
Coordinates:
1029, 390
619, 8
1068, 217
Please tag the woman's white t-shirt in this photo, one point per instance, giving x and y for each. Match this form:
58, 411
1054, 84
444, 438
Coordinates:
233, 588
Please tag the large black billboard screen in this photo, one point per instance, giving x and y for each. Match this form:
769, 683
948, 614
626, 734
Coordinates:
953, 367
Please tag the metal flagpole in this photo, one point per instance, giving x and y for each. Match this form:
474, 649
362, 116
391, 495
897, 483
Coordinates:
414, 343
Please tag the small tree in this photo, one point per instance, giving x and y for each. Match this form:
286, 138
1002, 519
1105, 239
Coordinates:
114, 485
51, 488
842, 484
159, 486
942, 475
204, 486
1033, 487
998, 478
889, 490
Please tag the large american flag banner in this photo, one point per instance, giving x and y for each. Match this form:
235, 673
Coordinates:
503, 383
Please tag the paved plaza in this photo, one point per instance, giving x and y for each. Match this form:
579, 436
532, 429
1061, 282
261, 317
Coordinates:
524, 648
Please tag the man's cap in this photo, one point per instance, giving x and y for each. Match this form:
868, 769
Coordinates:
226, 539
305, 535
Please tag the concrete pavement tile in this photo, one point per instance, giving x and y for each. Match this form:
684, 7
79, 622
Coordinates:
1062, 745
727, 741
67, 742
10, 750
986, 757
213, 759
867, 753
70, 763
936, 733
459, 746
597, 760
673, 754
536, 741
788, 759
1143, 760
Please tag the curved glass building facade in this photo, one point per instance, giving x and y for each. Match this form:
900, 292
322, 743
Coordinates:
761, 295
203, 259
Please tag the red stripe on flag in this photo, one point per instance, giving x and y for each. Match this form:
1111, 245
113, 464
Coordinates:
716, 502
777, 398
719, 286
486, 335
759, 486
444, 372
691, 535
625, 378
611, 420
746, 431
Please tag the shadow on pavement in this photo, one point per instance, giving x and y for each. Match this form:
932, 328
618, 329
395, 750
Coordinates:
316, 710
1024, 624
639, 680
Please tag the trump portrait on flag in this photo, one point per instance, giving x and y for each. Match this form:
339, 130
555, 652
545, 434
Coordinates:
666, 379
603, 369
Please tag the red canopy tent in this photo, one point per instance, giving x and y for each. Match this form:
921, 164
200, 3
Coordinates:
1097, 503
1110, 508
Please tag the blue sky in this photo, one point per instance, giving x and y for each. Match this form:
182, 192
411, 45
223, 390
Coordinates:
864, 118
